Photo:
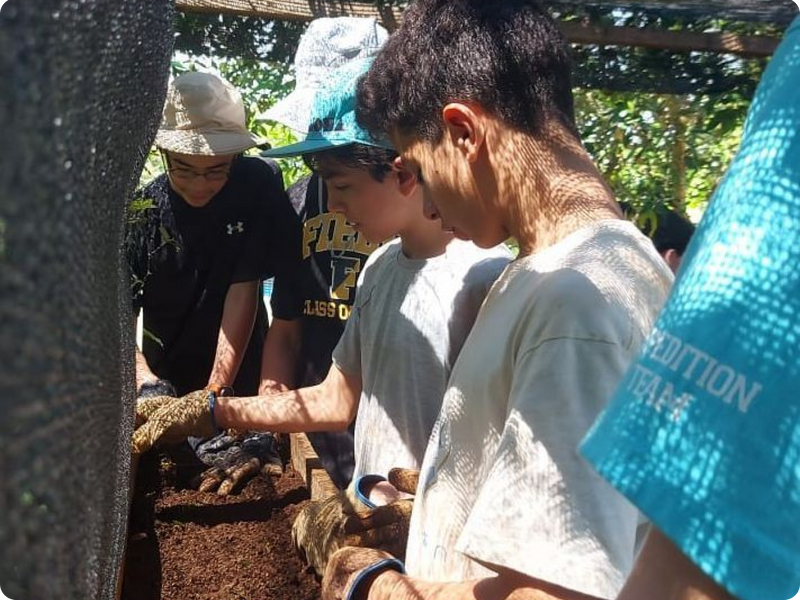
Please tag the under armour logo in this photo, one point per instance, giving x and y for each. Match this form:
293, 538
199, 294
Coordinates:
238, 228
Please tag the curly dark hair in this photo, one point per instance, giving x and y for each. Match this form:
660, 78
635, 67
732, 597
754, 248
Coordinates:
507, 56
377, 161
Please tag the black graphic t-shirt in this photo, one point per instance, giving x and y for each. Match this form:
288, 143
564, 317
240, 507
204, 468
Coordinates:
332, 255
184, 259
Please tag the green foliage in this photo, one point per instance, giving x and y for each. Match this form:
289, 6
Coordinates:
661, 150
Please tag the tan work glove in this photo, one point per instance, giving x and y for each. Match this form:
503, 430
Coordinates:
168, 420
351, 571
350, 519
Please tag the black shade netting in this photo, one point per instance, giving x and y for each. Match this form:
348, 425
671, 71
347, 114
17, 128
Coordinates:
83, 82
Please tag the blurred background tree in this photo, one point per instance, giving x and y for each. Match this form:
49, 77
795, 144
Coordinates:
661, 125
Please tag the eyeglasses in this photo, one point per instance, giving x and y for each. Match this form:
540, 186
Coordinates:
185, 174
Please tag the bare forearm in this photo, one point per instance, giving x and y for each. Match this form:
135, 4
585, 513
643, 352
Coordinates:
663, 572
235, 330
505, 586
279, 359
329, 406
143, 372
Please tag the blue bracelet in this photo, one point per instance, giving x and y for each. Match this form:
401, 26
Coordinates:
212, 404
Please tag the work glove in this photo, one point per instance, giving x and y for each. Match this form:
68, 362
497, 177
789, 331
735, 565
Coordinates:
145, 405
234, 458
351, 571
349, 518
168, 420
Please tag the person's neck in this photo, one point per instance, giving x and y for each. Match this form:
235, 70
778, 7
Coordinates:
424, 238
551, 190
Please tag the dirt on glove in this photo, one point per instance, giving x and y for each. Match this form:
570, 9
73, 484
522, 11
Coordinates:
184, 544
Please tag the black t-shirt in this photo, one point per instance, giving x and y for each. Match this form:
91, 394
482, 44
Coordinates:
332, 257
183, 260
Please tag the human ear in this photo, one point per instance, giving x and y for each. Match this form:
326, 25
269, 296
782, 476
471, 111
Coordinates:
406, 180
465, 127
673, 259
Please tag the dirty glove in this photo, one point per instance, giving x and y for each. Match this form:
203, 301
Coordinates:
145, 403
156, 387
234, 459
351, 571
174, 419
349, 518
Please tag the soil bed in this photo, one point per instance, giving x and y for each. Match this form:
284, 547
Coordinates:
189, 545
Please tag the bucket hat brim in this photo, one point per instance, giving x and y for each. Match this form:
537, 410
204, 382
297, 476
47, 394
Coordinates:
206, 143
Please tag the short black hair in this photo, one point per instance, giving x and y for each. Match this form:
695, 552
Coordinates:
673, 232
376, 160
508, 56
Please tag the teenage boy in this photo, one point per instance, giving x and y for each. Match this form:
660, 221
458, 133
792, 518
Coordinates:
199, 240
417, 299
476, 96
333, 254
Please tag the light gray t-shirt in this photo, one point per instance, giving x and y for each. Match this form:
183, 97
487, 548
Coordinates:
409, 321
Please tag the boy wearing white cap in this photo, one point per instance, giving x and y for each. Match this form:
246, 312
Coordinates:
333, 253
204, 235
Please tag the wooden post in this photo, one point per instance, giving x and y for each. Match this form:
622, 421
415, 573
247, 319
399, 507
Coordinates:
306, 462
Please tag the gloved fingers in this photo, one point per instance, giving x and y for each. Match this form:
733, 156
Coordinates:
146, 436
147, 407
405, 480
209, 480
239, 475
272, 468
172, 422
378, 536
379, 517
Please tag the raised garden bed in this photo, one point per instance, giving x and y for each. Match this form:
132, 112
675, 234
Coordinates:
189, 545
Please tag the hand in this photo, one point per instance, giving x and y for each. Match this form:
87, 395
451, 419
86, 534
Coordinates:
351, 571
170, 420
349, 518
235, 459
146, 405
156, 387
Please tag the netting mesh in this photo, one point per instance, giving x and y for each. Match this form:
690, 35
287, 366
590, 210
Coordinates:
83, 82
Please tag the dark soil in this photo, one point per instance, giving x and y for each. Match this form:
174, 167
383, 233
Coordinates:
190, 545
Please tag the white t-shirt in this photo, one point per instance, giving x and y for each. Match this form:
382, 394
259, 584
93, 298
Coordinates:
502, 482
409, 321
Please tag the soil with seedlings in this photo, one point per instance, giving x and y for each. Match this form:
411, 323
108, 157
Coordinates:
184, 544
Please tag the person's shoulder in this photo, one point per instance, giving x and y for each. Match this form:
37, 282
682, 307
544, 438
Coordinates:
479, 264
299, 192
255, 169
567, 303
384, 256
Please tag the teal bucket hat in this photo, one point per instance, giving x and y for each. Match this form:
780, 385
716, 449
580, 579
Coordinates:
332, 122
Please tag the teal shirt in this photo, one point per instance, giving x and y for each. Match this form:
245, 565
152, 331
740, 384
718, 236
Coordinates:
703, 434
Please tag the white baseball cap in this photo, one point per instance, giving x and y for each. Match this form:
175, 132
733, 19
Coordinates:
326, 45
204, 114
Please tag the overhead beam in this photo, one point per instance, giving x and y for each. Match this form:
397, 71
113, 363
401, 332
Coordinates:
295, 10
575, 32
676, 41
775, 12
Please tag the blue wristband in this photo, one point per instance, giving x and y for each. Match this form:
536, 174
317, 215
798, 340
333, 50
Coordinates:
374, 569
361, 483
212, 404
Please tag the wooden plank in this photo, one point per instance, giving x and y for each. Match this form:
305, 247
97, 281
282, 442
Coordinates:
295, 10
678, 41
776, 12
575, 32
305, 461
